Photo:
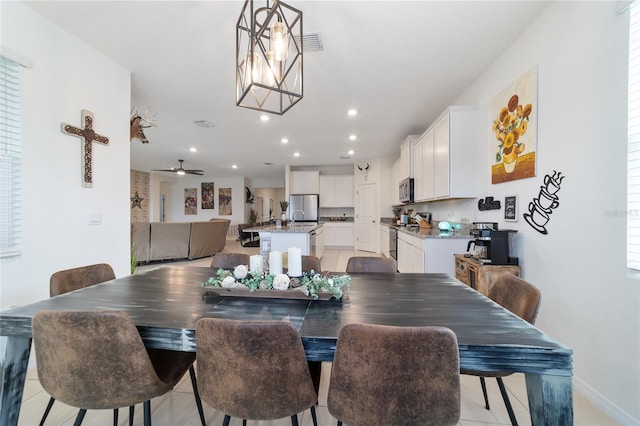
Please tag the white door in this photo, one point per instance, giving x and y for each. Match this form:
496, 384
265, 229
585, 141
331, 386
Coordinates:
366, 220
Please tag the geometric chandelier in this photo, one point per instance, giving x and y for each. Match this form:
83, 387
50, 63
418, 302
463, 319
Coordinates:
269, 57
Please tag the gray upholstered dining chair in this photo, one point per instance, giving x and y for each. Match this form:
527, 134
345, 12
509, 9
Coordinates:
523, 299
229, 260
268, 377
97, 360
370, 264
388, 375
67, 280
76, 278
311, 263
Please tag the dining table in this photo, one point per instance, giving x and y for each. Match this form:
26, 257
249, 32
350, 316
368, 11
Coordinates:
166, 302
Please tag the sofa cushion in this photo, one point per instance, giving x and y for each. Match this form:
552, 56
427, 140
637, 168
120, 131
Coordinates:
169, 240
208, 238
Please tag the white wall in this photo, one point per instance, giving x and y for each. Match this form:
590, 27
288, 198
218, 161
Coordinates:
589, 301
66, 77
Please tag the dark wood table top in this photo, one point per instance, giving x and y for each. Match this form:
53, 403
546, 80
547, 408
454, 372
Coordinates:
166, 303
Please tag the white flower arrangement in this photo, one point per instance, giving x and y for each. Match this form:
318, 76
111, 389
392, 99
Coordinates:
310, 283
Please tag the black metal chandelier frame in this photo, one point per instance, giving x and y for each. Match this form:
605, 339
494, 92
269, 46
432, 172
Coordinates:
263, 83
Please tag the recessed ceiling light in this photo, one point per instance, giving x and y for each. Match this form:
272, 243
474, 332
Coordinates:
284, 140
264, 117
296, 154
193, 149
351, 152
352, 112
352, 137
234, 166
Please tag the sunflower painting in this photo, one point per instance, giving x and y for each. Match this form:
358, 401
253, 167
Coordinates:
514, 125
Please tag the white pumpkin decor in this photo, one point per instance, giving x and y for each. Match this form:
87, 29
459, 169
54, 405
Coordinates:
281, 282
241, 271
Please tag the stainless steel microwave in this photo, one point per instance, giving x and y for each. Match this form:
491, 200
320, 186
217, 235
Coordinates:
406, 191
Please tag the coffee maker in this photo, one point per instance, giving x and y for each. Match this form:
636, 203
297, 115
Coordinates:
494, 247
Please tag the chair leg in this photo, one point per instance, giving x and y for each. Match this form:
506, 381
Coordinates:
115, 416
194, 383
147, 413
132, 411
47, 410
339, 423
484, 392
80, 416
227, 419
507, 403
244, 422
294, 420
313, 415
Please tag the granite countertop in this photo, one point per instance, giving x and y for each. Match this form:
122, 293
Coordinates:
301, 228
433, 232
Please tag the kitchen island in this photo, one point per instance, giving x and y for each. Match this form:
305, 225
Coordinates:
306, 236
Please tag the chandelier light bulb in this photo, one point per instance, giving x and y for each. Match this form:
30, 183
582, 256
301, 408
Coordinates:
279, 41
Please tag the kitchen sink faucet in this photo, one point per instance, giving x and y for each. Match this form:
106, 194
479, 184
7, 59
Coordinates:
293, 215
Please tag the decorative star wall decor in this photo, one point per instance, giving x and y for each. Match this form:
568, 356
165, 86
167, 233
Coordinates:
135, 201
88, 137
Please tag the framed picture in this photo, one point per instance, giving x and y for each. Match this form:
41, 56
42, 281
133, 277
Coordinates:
511, 208
207, 196
514, 123
190, 201
225, 202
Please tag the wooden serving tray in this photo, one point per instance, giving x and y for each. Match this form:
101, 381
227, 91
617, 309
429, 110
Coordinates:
268, 294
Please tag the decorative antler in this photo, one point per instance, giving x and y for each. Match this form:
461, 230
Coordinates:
138, 122
365, 171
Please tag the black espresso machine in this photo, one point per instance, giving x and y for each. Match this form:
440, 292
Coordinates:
495, 247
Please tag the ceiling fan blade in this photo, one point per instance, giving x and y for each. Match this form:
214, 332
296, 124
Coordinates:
195, 172
164, 170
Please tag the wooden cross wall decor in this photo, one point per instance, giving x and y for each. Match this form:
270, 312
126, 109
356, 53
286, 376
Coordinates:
88, 137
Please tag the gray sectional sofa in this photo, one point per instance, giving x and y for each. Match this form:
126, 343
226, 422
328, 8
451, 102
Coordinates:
178, 240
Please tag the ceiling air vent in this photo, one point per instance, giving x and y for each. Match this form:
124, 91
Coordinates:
203, 123
345, 157
311, 42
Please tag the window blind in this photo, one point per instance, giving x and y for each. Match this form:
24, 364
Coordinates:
10, 142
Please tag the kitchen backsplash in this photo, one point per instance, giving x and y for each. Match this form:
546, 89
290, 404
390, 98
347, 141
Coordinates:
336, 212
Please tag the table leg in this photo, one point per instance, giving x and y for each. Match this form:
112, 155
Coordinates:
550, 399
13, 368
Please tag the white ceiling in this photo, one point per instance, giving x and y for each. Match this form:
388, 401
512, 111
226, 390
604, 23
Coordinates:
399, 63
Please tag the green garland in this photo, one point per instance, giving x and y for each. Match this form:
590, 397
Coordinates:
310, 283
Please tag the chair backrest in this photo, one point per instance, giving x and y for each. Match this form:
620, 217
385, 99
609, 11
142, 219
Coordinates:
229, 260
517, 295
93, 359
370, 264
73, 279
255, 370
386, 375
311, 263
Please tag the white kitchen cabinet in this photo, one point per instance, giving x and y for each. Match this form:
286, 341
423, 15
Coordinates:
429, 254
336, 191
395, 183
304, 182
418, 179
406, 161
384, 240
455, 153
338, 234
427, 163
410, 253
320, 241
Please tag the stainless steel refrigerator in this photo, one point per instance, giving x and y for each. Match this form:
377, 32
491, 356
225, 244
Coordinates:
303, 208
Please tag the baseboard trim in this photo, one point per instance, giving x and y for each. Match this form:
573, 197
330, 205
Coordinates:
612, 410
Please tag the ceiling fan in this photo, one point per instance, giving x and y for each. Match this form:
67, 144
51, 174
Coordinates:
182, 171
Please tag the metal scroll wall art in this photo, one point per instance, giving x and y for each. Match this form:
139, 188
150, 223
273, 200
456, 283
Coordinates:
488, 203
88, 136
541, 207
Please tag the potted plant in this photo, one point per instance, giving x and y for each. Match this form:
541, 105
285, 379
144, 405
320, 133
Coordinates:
284, 205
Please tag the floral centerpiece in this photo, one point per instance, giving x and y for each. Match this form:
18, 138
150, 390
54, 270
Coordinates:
311, 283
508, 127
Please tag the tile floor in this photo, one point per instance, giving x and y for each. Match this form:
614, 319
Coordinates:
178, 407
